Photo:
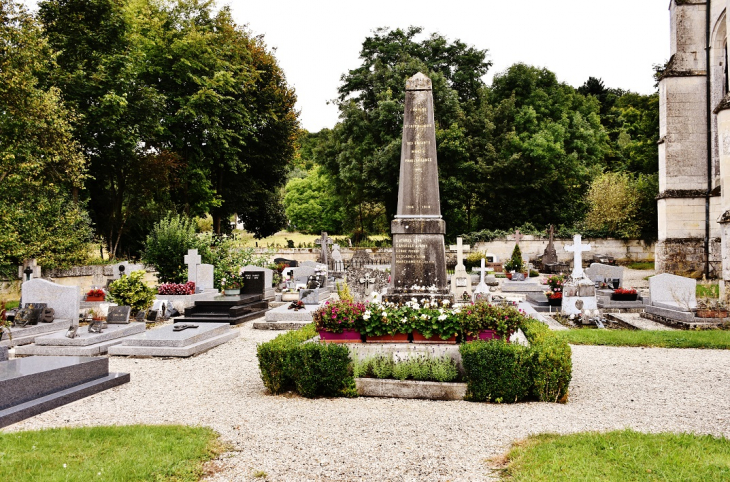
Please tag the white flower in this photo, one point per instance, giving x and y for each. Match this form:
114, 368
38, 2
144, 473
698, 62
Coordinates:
404, 320
366, 315
424, 317
385, 314
441, 310
442, 317
456, 311
446, 303
427, 305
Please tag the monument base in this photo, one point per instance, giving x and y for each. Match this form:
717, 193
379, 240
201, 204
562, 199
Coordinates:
403, 297
419, 264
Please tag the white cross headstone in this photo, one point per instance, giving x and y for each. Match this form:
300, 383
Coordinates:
482, 290
578, 249
459, 247
193, 259
323, 242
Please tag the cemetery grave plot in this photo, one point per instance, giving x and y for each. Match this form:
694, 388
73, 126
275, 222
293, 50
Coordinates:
232, 311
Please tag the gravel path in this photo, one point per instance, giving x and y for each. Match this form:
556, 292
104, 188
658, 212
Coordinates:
292, 438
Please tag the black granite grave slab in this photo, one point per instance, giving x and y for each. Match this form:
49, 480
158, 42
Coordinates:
254, 283
29, 386
233, 310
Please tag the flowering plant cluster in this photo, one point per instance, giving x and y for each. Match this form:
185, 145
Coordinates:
625, 291
335, 317
554, 295
556, 282
95, 293
429, 318
232, 282
177, 288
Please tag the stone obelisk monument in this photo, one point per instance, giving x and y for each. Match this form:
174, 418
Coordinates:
419, 253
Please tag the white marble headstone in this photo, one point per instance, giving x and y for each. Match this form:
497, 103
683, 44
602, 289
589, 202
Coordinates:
64, 300
606, 272
674, 292
205, 277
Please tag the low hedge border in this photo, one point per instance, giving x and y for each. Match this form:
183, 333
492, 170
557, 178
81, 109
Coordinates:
495, 371
501, 372
310, 369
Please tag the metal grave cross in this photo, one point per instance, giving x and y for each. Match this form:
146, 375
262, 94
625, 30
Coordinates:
578, 249
518, 237
459, 253
323, 242
193, 259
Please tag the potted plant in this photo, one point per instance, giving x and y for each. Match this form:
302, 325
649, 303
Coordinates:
711, 308
436, 324
483, 321
515, 263
555, 298
555, 294
95, 294
339, 321
624, 294
231, 285
387, 323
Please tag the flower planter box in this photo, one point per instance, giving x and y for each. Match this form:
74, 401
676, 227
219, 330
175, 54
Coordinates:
484, 335
347, 336
373, 387
419, 338
622, 297
397, 338
92, 299
711, 313
233, 292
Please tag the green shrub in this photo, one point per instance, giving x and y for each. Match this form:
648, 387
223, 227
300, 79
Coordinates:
321, 369
382, 367
515, 262
551, 363
496, 371
473, 260
167, 244
130, 290
444, 369
310, 369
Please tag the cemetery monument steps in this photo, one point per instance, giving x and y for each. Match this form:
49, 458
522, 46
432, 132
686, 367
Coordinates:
29, 386
178, 340
233, 310
419, 251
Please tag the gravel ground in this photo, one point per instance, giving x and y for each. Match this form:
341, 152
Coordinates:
636, 320
292, 438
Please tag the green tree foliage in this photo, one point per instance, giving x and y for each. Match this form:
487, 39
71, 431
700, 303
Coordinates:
180, 108
168, 243
131, 290
41, 166
311, 204
549, 143
618, 202
362, 152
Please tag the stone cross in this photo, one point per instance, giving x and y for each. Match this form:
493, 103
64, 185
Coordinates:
323, 242
481, 270
193, 259
459, 253
518, 237
366, 280
578, 249
551, 234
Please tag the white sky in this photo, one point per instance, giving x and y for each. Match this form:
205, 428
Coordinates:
317, 41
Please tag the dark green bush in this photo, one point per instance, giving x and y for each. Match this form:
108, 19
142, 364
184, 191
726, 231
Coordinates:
551, 363
321, 370
496, 371
310, 369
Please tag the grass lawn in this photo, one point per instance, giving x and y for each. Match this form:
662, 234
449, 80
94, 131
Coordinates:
9, 305
127, 453
280, 239
620, 456
715, 339
707, 290
641, 265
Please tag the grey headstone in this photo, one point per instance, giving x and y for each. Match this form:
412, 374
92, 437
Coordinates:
64, 300
3, 353
670, 290
605, 272
364, 281
309, 297
302, 274
310, 264
118, 315
518, 277
205, 277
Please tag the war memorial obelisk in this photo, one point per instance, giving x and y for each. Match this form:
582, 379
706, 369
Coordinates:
419, 253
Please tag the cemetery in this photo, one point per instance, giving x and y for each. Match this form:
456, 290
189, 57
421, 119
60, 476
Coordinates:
476, 282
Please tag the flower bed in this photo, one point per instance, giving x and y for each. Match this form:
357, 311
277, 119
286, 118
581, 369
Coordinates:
621, 294
177, 289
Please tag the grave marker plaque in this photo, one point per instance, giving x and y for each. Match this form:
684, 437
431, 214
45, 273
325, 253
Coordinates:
118, 315
254, 283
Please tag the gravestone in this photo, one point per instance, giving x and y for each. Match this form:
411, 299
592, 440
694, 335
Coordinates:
365, 281
579, 292
578, 249
361, 258
35, 270
289, 262
673, 292
65, 300
550, 255
606, 273
302, 274
481, 292
518, 277
177, 340
310, 264
254, 283
4, 355
205, 281
337, 263
460, 280
192, 259
324, 242
518, 237
491, 258
309, 296
419, 252
118, 315
268, 275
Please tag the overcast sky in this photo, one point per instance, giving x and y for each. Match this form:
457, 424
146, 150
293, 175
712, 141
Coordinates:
317, 41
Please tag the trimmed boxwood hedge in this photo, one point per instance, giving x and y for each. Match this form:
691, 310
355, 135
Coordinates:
310, 369
506, 373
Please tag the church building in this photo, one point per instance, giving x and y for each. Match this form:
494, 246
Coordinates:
694, 144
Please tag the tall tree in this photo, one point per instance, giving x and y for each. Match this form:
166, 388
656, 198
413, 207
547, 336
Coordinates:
41, 166
363, 152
